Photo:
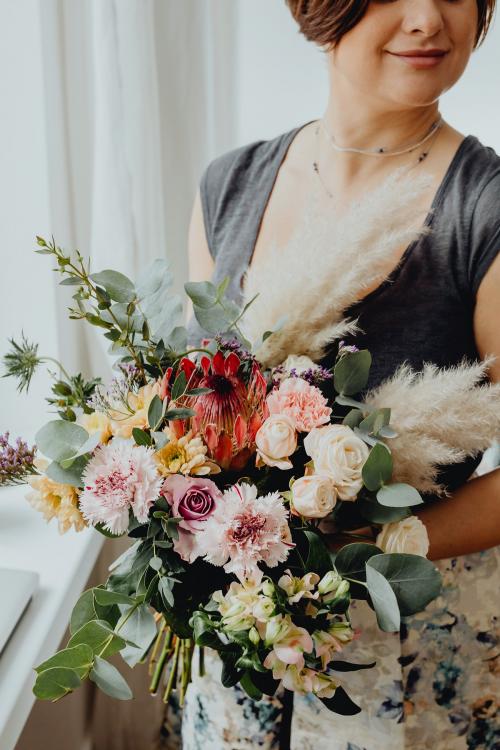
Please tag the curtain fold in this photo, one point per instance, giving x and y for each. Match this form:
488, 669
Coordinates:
139, 96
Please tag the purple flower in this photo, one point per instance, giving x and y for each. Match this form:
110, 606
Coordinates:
16, 461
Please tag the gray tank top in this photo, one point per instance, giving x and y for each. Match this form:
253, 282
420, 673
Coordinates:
422, 312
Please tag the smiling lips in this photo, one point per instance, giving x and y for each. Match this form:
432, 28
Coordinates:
421, 58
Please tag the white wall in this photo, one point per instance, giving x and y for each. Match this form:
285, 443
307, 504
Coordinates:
26, 298
283, 78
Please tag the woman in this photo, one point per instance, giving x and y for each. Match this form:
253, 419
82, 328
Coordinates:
388, 64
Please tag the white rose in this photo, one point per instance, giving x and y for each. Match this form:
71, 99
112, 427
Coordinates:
408, 535
339, 454
276, 440
314, 496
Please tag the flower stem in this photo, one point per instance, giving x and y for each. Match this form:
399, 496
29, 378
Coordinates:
165, 655
201, 661
186, 668
172, 678
154, 652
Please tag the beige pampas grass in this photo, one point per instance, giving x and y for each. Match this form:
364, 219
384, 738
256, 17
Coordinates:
442, 416
327, 265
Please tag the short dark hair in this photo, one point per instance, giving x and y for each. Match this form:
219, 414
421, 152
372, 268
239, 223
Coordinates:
326, 21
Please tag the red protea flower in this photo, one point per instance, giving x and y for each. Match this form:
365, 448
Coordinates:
229, 416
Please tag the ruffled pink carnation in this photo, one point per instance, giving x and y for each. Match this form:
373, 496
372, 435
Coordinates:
303, 402
119, 477
244, 530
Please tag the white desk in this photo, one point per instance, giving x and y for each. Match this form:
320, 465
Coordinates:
64, 564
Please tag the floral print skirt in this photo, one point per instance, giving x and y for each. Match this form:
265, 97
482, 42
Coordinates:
435, 685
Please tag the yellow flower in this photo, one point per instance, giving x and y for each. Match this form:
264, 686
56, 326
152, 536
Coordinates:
185, 455
97, 422
122, 425
55, 500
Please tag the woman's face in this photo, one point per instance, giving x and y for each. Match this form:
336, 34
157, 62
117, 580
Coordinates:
366, 57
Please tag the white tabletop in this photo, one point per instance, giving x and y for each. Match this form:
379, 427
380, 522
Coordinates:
64, 564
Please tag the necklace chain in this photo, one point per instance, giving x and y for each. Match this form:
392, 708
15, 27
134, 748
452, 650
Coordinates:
433, 131
381, 151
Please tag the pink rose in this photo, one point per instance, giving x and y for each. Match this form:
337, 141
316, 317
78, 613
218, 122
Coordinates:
302, 402
193, 500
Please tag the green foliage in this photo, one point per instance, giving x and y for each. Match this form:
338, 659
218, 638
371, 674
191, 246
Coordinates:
383, 599
71, 475
399, 495
161, 308
351, 372
139, 628
375, 421
155, 412
351, 560
118, 286
55, 683
414, 580
377, 469
318, 556
340, 703
374, 512
60, 440
109, 680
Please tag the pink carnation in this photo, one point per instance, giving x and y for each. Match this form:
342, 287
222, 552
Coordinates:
303, 402
193, 500
244, 530
119, 477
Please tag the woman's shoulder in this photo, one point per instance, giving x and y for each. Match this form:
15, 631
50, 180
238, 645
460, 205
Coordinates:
481, 166
231, 181
480, 187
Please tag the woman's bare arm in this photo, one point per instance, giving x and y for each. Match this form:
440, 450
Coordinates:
469, 521
201, 264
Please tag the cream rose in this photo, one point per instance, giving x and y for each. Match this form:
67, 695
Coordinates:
276, 440
300, 363
314, 496
408, 535
339, 454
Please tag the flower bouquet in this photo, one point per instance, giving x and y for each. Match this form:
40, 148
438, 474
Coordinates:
261, 493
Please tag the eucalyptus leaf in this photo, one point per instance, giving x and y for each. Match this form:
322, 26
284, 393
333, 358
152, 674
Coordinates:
377, 469
347, 401
71, 475
79, 658
376, 513
375, 421
89, 445
140, 629
383, 599
99, 636
351, 372
414, 580
109, 680
117, 285
105, 598
202, 293
399, 495
60, 439
351, 560
55, 683
353, 418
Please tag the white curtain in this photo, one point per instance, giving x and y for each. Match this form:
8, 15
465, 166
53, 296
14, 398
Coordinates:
138, 98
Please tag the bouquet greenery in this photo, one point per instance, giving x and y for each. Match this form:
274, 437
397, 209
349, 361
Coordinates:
226, 475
